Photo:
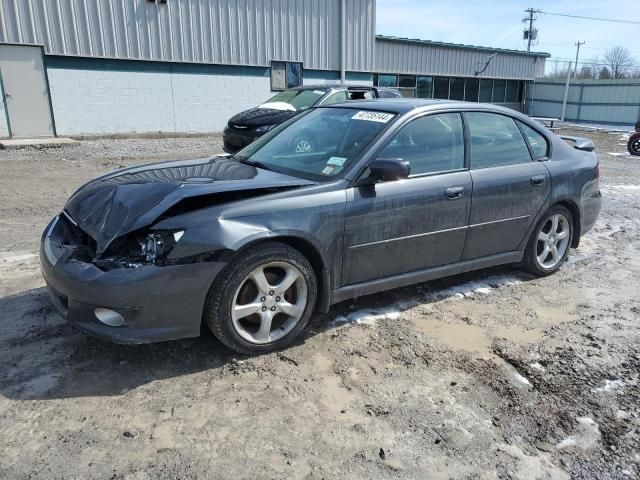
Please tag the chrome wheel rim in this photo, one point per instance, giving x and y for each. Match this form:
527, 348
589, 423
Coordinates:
304, 146
635, 146
269, 302
553, 241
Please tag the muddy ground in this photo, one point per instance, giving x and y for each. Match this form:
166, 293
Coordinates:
487, 375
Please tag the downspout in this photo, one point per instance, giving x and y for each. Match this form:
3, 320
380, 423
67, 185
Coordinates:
343, 42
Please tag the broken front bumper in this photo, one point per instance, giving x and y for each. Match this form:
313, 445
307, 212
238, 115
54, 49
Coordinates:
156, 303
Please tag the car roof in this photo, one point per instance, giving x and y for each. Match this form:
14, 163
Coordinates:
328, 86
404, 105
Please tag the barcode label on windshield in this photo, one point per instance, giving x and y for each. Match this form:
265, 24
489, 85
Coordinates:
373, 116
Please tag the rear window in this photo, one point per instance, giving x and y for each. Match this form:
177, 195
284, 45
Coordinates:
537, 142
294, 100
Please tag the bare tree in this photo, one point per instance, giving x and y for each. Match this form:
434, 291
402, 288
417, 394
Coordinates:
593, 64
585, 73
619, 61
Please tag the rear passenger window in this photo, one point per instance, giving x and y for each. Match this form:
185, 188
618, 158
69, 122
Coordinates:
337, 97
434, 143
495, 141
537, 142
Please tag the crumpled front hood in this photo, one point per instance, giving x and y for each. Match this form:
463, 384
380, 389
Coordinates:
132, 198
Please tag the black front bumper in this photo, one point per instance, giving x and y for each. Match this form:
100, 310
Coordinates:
157, 303
235, 140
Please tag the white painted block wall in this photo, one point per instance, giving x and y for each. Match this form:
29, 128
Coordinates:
99, 102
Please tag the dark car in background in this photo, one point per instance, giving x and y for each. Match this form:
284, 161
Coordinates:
634, 142
245, 127
394, 192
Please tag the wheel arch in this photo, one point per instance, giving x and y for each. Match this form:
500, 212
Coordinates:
311, 253
575, 217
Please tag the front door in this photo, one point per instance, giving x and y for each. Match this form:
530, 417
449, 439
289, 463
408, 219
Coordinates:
412, 224
509, 187
26, 93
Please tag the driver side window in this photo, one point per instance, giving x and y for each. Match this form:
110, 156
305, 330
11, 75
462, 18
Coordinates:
433, 143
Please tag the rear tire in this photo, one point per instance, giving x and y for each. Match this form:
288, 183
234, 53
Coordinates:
634, 144
550, 241
262, 300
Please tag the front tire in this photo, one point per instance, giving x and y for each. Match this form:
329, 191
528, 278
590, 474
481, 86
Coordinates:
262, 300
550, 241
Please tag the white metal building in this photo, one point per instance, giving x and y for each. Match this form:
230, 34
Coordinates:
89, 67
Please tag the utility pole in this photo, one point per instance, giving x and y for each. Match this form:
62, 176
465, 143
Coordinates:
530, 34
577, 44
566, 93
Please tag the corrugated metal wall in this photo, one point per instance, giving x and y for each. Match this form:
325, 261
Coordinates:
232, 32
613, 102
401, 56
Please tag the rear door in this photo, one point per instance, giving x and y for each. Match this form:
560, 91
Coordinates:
412, 224
509, 187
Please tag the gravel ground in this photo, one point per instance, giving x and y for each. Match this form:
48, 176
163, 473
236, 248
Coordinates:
493, 374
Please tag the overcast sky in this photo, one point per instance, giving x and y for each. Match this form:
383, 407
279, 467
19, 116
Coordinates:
498, 24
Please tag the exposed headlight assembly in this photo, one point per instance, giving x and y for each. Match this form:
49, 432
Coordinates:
158, 244
136, 250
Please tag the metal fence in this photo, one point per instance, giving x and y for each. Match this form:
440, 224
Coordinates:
606, 102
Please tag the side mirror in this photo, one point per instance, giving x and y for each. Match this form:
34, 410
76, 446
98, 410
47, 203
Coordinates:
387, 169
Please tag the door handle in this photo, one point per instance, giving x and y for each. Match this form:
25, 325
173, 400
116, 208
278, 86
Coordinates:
537, 179
453, 192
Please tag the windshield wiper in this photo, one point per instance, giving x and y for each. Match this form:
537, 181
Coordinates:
255, 163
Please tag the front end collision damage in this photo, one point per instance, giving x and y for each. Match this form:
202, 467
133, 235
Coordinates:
108, 249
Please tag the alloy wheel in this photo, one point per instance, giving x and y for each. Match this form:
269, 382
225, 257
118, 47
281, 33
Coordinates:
269, 302
553, 241
635, 146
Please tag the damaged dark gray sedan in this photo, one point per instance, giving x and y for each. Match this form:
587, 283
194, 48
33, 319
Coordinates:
394, 192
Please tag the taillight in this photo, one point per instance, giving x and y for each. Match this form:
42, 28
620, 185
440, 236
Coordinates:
597, 170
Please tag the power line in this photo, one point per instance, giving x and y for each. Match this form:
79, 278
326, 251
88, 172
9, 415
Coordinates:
587, 62
582, 17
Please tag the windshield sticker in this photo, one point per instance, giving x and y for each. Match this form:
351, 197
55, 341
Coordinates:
338, 161
373, 116
328, 170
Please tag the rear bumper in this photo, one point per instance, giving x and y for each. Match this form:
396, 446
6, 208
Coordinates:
156, 303
234, 141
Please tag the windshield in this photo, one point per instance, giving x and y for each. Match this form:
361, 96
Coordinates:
319, 144
294, 100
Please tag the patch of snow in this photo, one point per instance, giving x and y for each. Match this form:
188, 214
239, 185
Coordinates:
476, 287
609, 386
368, 317
520, 379
482, 287
537, 366
586, 436
616, 154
